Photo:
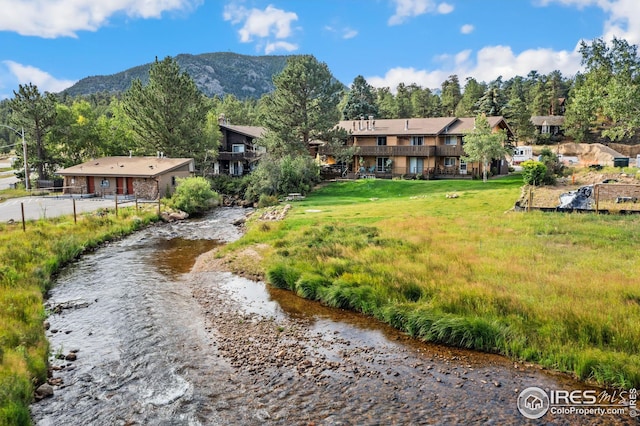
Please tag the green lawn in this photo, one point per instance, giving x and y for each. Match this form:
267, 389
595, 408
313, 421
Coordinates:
561, 290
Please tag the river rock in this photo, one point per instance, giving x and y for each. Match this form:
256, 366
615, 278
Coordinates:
71, 356
45, 390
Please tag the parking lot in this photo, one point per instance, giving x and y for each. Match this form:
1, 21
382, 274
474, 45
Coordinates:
42, 207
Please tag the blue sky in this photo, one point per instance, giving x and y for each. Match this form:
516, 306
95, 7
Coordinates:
54, 43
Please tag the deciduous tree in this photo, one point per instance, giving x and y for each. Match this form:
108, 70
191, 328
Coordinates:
483, 144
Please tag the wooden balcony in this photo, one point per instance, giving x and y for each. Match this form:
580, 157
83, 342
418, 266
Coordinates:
237, 156
405, 151
397, 151
449, 151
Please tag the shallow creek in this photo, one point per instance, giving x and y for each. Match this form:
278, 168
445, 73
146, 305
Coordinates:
153, 342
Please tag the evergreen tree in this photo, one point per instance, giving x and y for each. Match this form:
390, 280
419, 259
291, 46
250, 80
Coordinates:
386, 103
517, 112
451, 95
36, 113
493, 100
360, 100
169, 114
468, 105
403, 102
608, 93
304, 105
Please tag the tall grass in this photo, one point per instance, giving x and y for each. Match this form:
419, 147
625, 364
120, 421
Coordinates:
28, 263
561, 290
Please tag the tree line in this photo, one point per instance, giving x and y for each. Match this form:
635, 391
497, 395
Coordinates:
170, 115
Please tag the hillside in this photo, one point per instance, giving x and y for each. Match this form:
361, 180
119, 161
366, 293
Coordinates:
214, 73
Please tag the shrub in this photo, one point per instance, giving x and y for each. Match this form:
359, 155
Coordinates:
281, 176
533, 172
267, 201
194, 196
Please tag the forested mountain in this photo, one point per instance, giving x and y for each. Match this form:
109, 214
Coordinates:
218, 73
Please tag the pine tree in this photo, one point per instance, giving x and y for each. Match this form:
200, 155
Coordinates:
36, 113
304, 105
169, 114
361, 100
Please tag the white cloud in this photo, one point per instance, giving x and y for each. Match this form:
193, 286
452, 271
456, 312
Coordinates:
64, 18
410, 8
445, 8
266, 25
25, 74
280, 45
489, 63
623, 21
467, 29
345, 33
395, 76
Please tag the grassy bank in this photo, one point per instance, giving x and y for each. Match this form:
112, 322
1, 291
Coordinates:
28, 261
561, 290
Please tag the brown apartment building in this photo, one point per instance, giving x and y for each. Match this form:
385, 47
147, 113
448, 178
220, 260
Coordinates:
426, 147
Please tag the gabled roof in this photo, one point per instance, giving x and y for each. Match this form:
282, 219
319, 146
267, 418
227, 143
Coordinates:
251, 131
467, 124
551, 120
417, 126
127, 166
398, 126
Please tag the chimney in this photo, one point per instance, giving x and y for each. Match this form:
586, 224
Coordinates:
406, 125
222, 119
370, 123
361, 124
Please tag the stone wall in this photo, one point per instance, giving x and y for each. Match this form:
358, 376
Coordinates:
145, 188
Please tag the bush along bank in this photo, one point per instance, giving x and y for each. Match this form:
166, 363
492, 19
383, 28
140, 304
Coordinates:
29, 261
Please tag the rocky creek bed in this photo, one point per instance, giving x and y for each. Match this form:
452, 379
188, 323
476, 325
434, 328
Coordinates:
155, 341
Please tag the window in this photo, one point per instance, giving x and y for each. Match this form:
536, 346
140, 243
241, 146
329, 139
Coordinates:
382, 140
449, 161
417, 140
173, 181
416, 165
450, 140
546, 129
381, 164
463, 167
236, 168
237, 148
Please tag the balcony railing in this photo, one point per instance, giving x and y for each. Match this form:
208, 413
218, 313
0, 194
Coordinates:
237, 156
405, 151
449, 151
397, 151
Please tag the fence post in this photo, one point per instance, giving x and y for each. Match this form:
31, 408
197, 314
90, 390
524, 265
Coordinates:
597, 188
24, 228
116, 203
75, 217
